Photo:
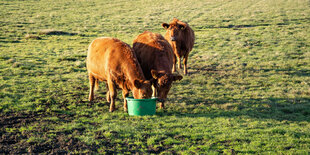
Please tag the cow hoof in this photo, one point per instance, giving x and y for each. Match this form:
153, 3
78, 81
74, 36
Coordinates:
185, 72
89, 103
112, 109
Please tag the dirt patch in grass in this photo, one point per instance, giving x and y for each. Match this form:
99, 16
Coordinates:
17, 120
17, 142
55, 32
30, 36
42, 138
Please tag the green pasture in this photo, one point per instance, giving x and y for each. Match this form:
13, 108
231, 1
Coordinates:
247, 92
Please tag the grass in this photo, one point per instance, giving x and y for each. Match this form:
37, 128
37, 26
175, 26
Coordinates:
247, 92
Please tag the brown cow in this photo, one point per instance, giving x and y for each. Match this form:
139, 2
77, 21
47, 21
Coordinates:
155, 56
181, 37
114, 61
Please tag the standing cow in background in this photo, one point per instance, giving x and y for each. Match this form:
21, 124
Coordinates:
155, 56
115, 62
181, 37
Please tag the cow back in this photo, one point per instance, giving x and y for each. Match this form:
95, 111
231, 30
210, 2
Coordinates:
153, 52
110, 58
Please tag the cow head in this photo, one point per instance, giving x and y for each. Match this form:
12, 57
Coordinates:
174, 29
142, 89
163, 83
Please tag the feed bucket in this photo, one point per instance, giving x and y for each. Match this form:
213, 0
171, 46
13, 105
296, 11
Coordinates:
141, 107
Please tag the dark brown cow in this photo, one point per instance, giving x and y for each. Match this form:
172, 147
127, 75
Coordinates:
181, 37
114, 61
155, 56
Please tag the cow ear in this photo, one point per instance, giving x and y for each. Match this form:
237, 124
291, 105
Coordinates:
176, 77
165, 25
182, 26
154, 74
137, 84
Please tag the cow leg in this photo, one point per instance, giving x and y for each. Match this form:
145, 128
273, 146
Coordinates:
97, 84
113, 93
174, 63
125, 94
108, 94
154, 91
91, 86
185, 63
108, 97
179, 62
162, 105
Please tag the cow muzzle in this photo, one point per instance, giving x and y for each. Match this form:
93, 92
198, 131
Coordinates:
172, 38
161, 100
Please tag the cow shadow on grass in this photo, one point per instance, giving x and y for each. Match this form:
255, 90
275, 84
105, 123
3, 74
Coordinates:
286, 108
281, 109
213, 68
292, 72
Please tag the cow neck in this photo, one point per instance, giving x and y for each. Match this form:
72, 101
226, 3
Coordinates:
175, 46
164, 65
163, 69
133, 72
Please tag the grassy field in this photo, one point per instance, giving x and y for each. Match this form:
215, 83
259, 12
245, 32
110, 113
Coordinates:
247, 92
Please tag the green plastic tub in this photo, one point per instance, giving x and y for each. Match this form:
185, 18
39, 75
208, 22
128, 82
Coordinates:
141, 107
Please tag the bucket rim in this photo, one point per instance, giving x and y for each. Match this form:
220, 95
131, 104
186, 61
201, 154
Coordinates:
133, 99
